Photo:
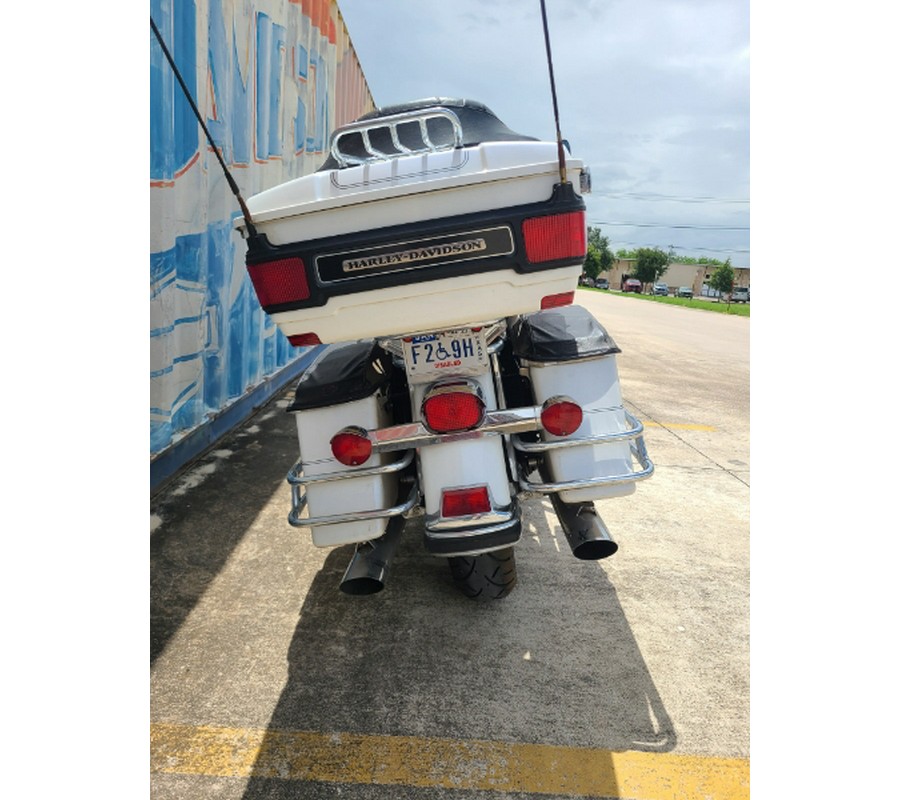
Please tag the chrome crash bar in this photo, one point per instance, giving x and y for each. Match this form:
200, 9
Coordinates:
638, 449
297, 481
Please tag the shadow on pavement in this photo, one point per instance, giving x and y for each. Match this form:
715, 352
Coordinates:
420, 660
202, 527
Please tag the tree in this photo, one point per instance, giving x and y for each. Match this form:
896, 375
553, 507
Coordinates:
722, 279
592, 262
652, 264
603, 253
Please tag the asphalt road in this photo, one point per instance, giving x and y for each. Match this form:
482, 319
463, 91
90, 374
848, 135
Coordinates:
627, 677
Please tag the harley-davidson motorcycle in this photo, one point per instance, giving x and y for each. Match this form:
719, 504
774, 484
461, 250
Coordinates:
435, 255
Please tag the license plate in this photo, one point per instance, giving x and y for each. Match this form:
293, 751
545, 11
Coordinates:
459, 352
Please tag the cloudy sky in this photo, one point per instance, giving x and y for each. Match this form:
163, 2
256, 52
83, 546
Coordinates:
654, 95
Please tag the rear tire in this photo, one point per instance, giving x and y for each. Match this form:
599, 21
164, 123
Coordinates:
488, 576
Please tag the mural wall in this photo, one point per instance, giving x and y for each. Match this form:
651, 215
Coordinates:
272, 79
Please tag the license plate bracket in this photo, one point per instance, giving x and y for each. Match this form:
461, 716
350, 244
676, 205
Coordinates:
430, 356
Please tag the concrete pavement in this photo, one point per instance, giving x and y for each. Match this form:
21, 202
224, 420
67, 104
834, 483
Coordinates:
263, 674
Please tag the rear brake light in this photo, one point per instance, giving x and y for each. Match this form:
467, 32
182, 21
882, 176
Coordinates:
555, 237
465, 502
557, 300
351, 446
281, 281
304, 339
561, 416
449, 409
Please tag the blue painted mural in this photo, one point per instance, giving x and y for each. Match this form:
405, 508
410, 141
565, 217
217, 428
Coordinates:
272, 78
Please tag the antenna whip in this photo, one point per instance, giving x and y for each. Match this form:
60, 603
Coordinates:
559, 141
251, 228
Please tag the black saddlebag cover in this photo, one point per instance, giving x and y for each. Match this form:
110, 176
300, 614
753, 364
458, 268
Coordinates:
343, 373
560, 334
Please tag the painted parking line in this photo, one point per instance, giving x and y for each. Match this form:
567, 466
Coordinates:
679, 426
532, 769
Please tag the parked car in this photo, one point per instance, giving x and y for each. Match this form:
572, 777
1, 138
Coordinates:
740, 295
661, 289
632, 285
685, 291
601, 283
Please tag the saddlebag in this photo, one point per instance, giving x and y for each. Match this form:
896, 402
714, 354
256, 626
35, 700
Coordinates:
347, 384
565, 351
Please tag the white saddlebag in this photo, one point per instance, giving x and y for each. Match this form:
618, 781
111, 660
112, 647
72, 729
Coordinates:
345, 385
567, 352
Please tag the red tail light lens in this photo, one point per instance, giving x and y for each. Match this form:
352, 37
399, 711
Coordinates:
351, 446
557, 300
447, 411
464, 502
281, 281
561, 416
555, 237
304, 339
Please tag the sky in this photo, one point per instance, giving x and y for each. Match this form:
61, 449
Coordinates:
653, 95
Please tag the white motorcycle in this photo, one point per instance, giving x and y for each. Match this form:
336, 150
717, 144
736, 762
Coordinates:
435, 254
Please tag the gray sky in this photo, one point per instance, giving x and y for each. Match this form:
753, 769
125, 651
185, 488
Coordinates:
654, 95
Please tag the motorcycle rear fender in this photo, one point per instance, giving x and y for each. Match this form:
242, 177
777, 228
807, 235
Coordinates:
462, 464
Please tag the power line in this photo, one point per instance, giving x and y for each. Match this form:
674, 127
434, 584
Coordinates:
620, 245
669, 198
674, 227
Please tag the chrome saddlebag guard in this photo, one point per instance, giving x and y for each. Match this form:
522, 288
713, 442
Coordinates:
565, 351
346, 385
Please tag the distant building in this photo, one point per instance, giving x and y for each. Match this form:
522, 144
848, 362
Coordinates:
678, 274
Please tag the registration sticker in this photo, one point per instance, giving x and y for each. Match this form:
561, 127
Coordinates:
432, 355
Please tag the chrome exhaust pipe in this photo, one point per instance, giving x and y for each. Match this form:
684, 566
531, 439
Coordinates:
586, 533
367, 569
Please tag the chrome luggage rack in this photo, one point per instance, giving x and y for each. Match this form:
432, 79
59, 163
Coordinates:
415, 122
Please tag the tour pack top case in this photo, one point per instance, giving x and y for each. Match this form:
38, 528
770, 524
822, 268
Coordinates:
425, 216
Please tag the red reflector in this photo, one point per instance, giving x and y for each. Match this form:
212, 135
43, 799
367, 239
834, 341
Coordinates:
281, 281
452, 411
557, 300
304, 339
463, 502
351, 446
561, 417
555, 237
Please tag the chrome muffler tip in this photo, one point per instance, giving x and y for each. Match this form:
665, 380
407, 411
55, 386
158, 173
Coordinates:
367, 571
587, 534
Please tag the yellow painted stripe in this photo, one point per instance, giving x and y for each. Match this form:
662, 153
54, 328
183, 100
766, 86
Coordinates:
679, 426
532, 769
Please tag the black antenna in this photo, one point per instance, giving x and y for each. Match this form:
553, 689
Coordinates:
251, 228
559, 139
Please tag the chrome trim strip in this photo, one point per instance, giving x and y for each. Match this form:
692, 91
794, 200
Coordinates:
415, 434
299, 503
457, 533
496, 516
294, 478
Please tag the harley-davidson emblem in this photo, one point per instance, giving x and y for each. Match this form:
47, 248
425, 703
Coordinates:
432, 253
419, 254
